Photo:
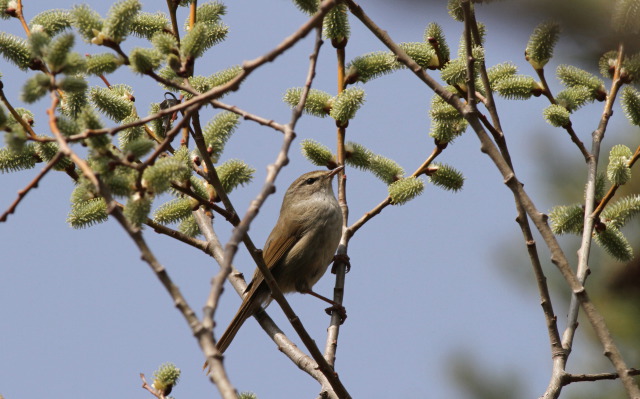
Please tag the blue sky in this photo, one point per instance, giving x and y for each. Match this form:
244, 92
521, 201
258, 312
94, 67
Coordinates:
445, 275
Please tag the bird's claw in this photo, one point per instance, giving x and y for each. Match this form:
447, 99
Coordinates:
344, 258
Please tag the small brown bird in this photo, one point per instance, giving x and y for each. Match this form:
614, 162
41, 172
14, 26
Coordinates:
300, 247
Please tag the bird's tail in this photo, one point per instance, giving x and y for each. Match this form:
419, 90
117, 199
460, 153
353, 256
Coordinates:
249, 306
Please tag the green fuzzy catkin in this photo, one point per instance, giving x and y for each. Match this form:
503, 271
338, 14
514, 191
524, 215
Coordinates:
87, 213
447, 177
193, 43
501, 71
225, 76
447, 131
139, 147
88, 119
38, 42
12, 161
199, 186
86, 20
75, 64
607, 63
67, 126
370, 66
455, 10
308, 6
335, 25
202, 37
51, 22
208, 13
189, 227
199, 83
631, 104
618, 171
433, 34
73, 103
144, 60
357, 155
157, 125
46, 152
572, 76
15, 50
567, 219
146, 25
517, 87
454, 72
318, 102
574, 98
130, 134
404, 190
247, 395
615, 244
174, 210
626, 16
620, 212
233, 173
158, 177
442, 111
4, 4
101, 64
183, 155
601, 182
57, 50
165, 43
631, 68
112, 102
346, 104
121, 181
83, 191
385, 169
73, 84
218, 131
557, 115
137, 209
120, 19
35, 88
422, 53
541, 43
317, 153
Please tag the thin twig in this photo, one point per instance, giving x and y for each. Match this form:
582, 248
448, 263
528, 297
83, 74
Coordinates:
33, 184
540, 220
521, 219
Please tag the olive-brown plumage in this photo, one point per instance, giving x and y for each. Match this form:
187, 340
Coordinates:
300, 247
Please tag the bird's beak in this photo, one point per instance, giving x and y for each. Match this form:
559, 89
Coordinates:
335, 171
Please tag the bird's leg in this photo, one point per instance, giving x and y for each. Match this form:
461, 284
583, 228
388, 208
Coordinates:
342, 311
344, 258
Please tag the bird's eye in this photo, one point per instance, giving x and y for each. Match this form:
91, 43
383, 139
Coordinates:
311, 180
